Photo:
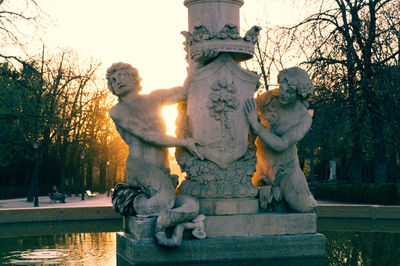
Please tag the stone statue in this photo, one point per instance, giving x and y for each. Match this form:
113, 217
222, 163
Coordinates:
214, 109
284, 121
138, 120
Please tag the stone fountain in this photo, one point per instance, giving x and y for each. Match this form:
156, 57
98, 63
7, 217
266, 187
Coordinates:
218, 214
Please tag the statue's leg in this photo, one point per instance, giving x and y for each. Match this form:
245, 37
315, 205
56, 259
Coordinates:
158, 192
295, 190
186, 208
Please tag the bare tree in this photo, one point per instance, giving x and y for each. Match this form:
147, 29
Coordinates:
18, 20
349, 46
347, 43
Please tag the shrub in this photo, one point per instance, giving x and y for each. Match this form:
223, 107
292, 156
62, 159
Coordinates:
358, 193
385, 194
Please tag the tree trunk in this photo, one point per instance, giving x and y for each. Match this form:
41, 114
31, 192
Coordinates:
89, 171
29, 198
392, 168
380, 163
103, 177
77, 174
356, 165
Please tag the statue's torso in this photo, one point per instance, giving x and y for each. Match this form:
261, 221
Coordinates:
279, 120
145, 114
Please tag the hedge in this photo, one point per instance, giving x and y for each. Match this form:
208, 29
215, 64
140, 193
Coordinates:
12, 192
385, 194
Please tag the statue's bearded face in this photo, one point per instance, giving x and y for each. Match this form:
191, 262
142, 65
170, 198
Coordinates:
122, 82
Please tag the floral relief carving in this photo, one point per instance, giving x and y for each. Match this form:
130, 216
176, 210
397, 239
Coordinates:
223, 101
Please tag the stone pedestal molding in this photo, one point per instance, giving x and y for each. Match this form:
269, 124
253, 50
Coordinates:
230, 238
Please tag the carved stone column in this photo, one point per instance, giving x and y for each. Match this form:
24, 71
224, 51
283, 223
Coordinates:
212, 14
214, 112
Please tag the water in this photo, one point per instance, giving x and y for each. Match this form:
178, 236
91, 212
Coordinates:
67, 249
348, 242
59, 244
361, 241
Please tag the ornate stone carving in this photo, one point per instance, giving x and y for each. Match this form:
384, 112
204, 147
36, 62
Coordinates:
122, 199
223, 102
206, 179
226, 40
218, 103
252, 34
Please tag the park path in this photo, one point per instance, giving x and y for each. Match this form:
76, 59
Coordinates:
45, 202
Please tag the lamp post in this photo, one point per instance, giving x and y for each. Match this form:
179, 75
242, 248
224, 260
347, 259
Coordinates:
311, 111
108, 177
35, 145
82, 177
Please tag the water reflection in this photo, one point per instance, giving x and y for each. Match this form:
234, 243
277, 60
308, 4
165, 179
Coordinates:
38, 256
66, 249
348, 242
361, 242
54, 228
59, 243
362, 248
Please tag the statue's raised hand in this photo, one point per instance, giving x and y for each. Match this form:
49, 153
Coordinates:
250, 109
191, 145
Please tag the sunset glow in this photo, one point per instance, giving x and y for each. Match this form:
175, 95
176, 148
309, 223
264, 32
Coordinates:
145, 34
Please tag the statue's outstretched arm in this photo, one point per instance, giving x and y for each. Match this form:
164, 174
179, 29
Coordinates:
170, 96
153, 137
178, 94
277, 143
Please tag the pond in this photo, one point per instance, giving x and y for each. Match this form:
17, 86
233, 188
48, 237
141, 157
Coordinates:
361, 242
65, 243
348, 242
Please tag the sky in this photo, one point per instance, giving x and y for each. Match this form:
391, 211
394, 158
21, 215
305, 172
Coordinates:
145, 34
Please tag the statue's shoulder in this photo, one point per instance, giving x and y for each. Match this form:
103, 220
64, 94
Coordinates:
267, 98
304, 114
113, 111
118, 110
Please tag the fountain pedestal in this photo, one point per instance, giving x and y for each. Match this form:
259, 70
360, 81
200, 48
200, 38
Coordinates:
216, 93
239, 238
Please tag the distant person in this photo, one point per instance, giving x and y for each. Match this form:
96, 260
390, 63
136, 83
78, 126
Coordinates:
55, 195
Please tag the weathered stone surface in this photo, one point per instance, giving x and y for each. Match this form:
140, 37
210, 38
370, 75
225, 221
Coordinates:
214, 14
235, 225
279, 248
228, 206
140, 228
260, 224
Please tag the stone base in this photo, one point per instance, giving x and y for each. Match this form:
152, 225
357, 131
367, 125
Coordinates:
260, 224
230, 238
228, 206
234, 225
250, 250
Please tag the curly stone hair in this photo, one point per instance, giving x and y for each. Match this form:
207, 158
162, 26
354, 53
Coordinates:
298, 80
123, 66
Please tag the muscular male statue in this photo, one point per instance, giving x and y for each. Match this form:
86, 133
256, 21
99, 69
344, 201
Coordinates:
138, 120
